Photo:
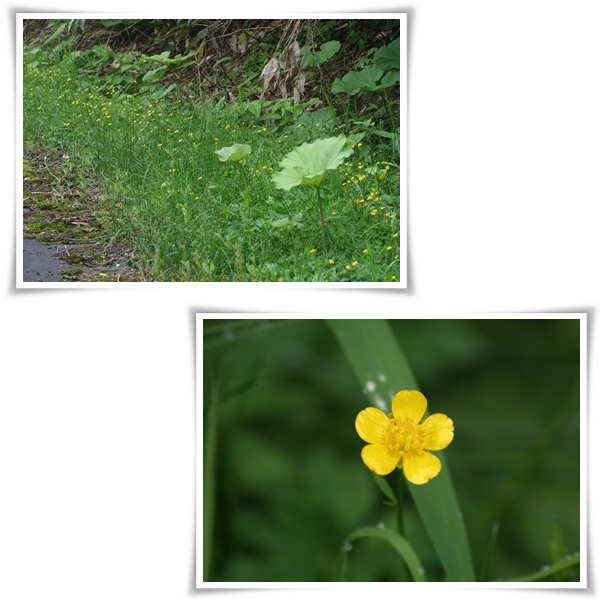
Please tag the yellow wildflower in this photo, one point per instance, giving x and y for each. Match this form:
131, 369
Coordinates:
401, 440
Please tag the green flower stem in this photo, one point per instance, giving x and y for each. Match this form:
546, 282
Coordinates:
400, 528
322, 221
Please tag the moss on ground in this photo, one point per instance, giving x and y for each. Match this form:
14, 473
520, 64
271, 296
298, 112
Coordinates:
62, 205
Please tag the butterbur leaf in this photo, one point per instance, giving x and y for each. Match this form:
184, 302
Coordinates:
391, 78
366, 80
388, 57
308, 163
233, 153
289, 223
327, 51
154, 75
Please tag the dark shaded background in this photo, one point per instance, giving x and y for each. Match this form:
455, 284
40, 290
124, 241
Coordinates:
290, 484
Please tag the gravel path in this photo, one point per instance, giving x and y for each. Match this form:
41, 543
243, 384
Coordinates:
40, 263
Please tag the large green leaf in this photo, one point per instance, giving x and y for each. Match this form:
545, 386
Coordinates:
366, 80
391, 78
233, 153
308, 163
388, 57
382, 369
327, 51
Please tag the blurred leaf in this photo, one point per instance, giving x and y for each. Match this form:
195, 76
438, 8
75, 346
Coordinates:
559, 552
210, 421
549, 571
558, 549
489, 551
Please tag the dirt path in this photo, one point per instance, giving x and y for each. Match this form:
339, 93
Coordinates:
65, 237
40, 262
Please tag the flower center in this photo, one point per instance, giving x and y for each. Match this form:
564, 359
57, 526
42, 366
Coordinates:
404, 437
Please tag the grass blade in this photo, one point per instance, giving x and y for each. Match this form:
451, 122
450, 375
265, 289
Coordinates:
209, 466
382, 369
550, 571
495, 527
384, 486
400, 544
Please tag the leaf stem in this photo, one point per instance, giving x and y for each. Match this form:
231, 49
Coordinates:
244, 178
322, 222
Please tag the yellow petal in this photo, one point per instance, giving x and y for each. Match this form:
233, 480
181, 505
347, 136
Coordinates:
421, 468
438, 431
371, 425
377, 459
409, 405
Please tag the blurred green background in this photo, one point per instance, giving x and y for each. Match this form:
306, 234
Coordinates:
283, 480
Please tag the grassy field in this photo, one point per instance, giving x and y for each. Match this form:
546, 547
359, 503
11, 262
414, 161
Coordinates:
151, 145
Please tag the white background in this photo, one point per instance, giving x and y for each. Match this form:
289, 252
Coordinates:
97, 399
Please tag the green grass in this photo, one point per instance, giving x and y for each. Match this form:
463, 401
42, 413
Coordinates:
184, 211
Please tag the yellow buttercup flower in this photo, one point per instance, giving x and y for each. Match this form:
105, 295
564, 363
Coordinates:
401, 440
